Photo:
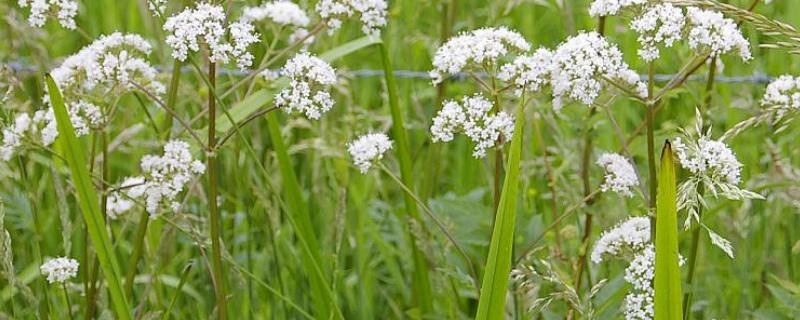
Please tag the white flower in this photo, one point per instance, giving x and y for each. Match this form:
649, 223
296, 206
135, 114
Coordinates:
367, 149
118, 204
640, 273
282, 12
12, 136
67, 10
472, 118
709, 158
629, 236
309, 78
611, 7
711, 31
784, 93
580, 65
111, 61
300, 34
83, 115
60, 269
620, 175
164, 176
661, 23
157, 7
372, 13
475, 49
205, 24
528, 73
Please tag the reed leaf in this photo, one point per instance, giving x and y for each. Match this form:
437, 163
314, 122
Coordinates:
88, 201
492, 301
668, 304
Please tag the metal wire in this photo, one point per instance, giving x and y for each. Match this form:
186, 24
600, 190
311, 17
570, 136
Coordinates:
411, 74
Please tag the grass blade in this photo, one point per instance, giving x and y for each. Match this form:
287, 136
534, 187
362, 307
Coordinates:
492, 302
421, 284
668, 274
88, 201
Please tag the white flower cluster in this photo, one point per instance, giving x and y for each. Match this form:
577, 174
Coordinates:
630, 236
367, 149
662, 23
582, 62
113, 61
784, 93
372, 13
710, 30
13, 135
640, 273
528, 73
474, 49
282, 12
60, 269
309, 78
164, 177
65, 10
601, 8
83, 115
709, 158
620, 175
472, 118
118, 203
157, 7
206, 24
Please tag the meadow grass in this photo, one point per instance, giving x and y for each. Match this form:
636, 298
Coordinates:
300, 233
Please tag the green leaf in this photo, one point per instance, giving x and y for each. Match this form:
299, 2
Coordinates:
498, 263
668, 305
88, 201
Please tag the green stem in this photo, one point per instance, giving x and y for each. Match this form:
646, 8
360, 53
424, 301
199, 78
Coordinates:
172, 97
422, 286
651, 153
136, 254
66, 297
216, 254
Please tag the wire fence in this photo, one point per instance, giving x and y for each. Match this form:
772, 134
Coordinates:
411, 74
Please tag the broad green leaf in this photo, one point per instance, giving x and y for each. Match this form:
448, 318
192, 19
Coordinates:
668, 305
492, 302
88, 201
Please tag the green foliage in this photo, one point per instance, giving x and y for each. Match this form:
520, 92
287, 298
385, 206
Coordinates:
668, 304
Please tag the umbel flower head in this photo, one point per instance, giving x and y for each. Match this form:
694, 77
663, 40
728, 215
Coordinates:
372, 13
281, 12
709, 158
475, 49
662, 23
164, 177
600, 8
528, 73
64, 10
367, 149
471, 117
14, 134
581, 66
620, 175
630, 236
783, 93
307, 93
711, 31
206, 24
60, 269
112, 61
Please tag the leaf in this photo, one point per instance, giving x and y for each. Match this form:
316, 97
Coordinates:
88, 201
668, 305
491, 304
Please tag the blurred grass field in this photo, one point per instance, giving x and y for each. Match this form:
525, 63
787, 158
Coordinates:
359, 218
